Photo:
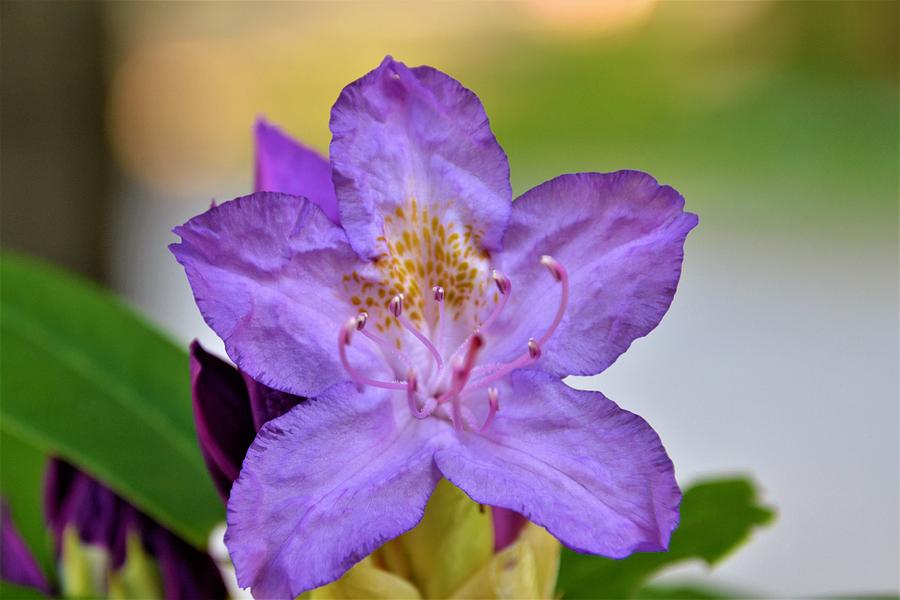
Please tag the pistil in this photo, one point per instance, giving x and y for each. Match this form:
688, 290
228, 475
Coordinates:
411, 389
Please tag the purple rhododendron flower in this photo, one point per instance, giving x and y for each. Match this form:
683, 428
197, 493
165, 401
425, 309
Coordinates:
430, 320
102, 518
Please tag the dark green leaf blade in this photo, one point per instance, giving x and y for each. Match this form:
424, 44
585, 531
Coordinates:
716, 517
83, 377
686, 592
12, 591
21, 484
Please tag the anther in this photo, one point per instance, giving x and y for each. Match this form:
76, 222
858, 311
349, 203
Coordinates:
361, 320
502, 281
439, 298
396, 305
560, 274
505, 287
554, 267
493, 407
534, 350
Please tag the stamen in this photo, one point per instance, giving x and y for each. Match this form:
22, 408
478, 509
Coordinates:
495, 372
396, 306
438, 292
560, 274
505, 287
499, 371
361, 320
411, 388
343, 341
493, 407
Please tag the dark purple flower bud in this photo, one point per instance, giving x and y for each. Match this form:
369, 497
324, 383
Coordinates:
17, 565
74, 499
229, 408
186, 573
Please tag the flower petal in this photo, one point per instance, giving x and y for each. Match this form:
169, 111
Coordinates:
401, 134
17, 564
621, 238
524, 569
325, 485
222, 416
453, 526
285, 165
594, 475
365, 580
266, 271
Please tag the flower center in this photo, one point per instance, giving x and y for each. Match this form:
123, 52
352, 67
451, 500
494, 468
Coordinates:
438, 384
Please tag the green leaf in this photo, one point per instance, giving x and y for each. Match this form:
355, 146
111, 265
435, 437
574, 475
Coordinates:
21, 485
19, 592
684, 592
716, 517
84, 377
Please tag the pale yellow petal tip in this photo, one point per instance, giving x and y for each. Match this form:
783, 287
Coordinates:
365, 580
526, 569
450, 555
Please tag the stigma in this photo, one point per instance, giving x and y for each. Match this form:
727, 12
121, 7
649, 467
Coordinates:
438, 382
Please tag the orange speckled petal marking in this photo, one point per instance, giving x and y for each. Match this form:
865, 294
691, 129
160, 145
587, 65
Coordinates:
421, 249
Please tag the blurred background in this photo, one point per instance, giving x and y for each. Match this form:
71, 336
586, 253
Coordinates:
778, 121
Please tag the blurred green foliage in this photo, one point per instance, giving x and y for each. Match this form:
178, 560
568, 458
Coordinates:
786, 117
84, 378
716, 517
18, 592
21, 482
